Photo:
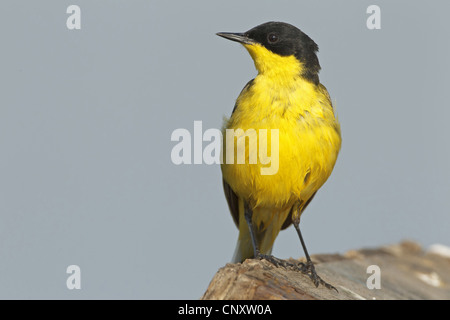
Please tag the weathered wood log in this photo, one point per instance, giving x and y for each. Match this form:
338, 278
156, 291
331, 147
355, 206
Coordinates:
406, 272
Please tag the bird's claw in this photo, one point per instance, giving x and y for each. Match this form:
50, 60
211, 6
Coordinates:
305, 268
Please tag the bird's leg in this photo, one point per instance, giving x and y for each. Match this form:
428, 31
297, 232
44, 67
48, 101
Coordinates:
308, 268
256, 253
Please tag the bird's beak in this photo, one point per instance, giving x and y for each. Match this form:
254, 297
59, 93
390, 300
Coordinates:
238, 37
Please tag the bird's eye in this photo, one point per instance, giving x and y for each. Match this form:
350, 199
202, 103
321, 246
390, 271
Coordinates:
272, 38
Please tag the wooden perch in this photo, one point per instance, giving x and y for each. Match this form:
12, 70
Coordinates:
406, 272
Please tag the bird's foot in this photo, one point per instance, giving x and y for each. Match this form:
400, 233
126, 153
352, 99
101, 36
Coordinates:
277, 262
309, 269
305, 268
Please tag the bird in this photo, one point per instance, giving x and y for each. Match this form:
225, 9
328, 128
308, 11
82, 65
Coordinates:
286, 99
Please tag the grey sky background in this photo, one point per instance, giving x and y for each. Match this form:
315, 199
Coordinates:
86, 118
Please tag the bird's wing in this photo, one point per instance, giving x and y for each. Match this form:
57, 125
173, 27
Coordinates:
232, 198
288, 220
233, 202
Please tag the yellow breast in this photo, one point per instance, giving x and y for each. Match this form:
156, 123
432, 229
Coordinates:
308, 141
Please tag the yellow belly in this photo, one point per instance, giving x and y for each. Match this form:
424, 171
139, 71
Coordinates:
306, 160
309, 142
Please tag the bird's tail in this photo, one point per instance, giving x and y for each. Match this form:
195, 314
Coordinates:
267, 225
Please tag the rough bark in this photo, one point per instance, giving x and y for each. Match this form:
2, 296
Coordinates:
407, 272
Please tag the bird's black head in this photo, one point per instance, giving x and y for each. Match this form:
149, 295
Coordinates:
284, 40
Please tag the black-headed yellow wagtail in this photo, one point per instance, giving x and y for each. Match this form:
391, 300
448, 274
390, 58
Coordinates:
287, 96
